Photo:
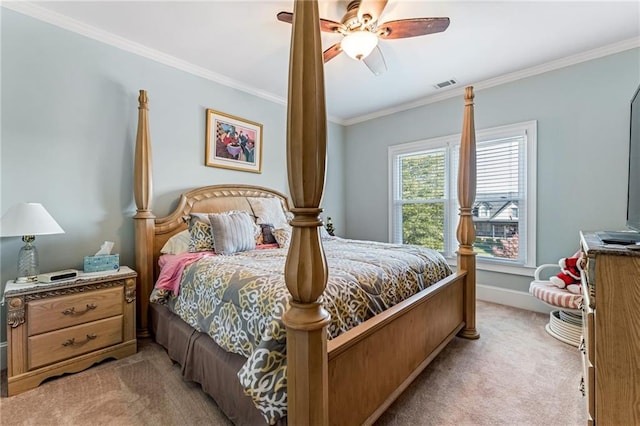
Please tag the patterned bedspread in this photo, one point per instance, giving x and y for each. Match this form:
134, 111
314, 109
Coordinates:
239, 301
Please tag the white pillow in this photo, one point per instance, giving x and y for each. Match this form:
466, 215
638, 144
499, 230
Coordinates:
268, 210
289, 216
177, 244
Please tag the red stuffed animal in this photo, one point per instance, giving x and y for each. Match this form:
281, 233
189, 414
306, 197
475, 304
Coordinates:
569, 276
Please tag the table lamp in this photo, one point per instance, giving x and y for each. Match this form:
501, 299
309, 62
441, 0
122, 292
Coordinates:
28, 220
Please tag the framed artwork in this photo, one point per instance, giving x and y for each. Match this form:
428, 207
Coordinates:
233, 142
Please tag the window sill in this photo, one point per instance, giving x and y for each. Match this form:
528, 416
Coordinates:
526, 271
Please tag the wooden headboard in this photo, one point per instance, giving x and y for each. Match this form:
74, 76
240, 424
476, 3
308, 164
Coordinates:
207, 199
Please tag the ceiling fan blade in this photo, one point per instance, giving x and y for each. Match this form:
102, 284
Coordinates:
285, 17
404, 28
375, 61
373, 8
330, 26
325, 24
332, 52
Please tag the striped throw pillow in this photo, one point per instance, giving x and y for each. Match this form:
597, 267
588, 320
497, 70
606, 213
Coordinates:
232, 232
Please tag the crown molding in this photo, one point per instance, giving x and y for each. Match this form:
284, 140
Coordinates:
506, 78
62, 21
78, 27
111, 39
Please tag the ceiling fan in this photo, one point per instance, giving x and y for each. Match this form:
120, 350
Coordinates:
361, 31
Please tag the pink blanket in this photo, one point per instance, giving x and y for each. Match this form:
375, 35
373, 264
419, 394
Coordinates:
172, 266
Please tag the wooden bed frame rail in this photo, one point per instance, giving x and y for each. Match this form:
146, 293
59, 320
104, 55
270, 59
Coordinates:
361, 389
353, 378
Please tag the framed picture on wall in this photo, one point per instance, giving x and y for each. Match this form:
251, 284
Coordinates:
233, 142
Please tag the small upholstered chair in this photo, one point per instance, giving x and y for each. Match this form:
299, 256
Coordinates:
565, 321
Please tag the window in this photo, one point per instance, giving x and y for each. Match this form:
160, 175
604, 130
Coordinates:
424, 204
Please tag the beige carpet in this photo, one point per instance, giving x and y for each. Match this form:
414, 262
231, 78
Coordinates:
516, 374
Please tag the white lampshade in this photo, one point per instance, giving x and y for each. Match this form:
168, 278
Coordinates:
359, 44
28, 219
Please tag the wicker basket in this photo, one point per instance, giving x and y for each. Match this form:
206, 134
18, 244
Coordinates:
565, 326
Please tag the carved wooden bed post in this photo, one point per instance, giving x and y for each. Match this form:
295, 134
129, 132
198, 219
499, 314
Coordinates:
466, 232
306, 266
144, 218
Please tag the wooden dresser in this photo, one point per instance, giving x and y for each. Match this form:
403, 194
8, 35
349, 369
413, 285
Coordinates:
65, 327
611, 332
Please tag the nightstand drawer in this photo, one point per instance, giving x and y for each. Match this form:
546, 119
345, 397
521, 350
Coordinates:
65, 311
73, 341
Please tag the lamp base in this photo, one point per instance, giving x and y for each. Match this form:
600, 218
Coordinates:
28, 261
26, 280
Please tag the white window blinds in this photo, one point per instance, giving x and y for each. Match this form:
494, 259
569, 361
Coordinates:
423, 193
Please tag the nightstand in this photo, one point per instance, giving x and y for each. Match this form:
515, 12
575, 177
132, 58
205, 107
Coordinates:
67, 326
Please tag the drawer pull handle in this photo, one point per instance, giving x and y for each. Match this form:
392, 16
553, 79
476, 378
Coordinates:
72, 341
72, 310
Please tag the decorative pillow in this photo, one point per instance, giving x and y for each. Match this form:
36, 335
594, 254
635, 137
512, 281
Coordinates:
268, 210
200, 233
177, 244
282, 236
267, 234
232, 232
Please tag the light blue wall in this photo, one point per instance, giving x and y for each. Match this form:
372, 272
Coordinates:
69, 116
69, 119
583, 137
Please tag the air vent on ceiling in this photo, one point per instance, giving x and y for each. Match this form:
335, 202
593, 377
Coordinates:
445, 83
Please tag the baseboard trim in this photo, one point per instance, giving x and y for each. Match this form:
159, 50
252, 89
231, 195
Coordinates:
488, 293
517, 299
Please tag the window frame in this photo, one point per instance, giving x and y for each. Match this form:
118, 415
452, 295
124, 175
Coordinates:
452, 144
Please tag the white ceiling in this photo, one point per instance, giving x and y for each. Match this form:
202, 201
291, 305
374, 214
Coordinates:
242, 44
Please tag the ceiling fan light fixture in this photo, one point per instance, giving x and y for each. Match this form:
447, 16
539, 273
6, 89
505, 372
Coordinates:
359, 44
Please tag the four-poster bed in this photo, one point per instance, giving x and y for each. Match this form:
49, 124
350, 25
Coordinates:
354, 377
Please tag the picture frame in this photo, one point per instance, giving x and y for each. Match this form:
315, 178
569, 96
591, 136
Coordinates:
233, 143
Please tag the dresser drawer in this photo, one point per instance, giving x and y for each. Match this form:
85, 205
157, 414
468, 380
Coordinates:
588, 292
588, 327
69, 342
589, 391
65, 311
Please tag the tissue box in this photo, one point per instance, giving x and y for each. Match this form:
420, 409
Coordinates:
105, 262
